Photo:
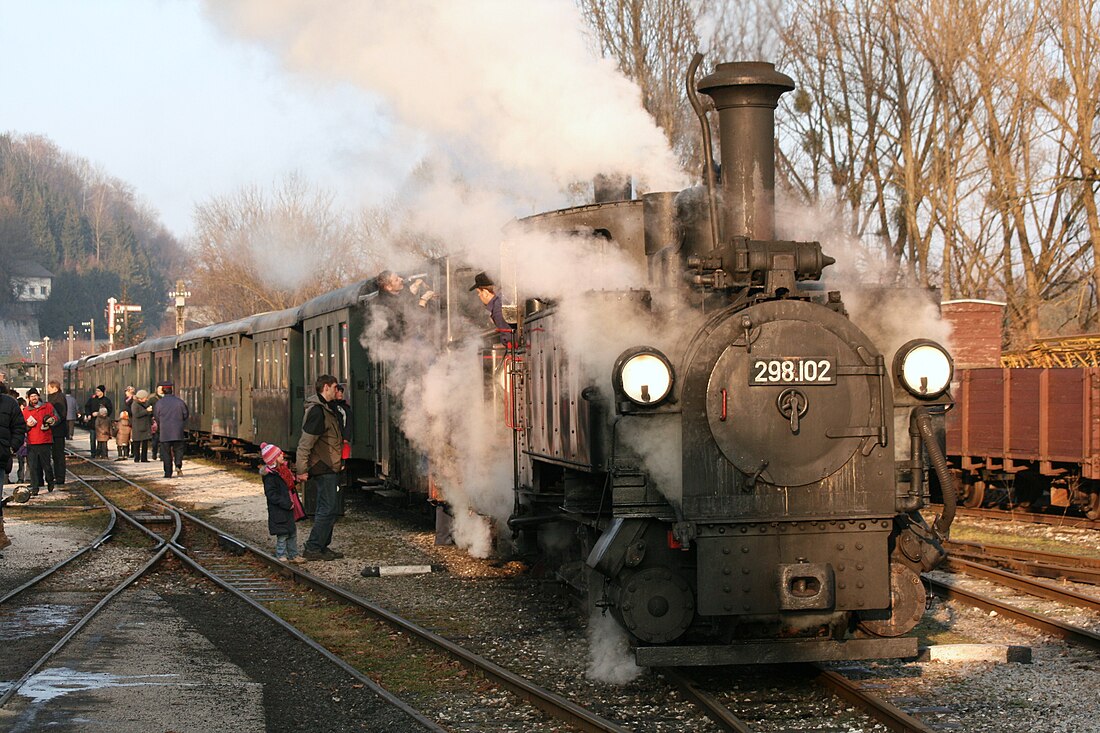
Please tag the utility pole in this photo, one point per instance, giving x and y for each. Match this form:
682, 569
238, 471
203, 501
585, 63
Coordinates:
72, 341
46, 341
181, 294
91, 331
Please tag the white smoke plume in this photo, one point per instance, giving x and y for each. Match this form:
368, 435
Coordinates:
876, 294
609, 658
504, 86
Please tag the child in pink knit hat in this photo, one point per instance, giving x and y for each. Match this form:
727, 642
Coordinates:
284, 508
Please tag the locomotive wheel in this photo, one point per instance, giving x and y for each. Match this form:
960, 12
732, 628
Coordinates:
906, 605
656, 605
975, 494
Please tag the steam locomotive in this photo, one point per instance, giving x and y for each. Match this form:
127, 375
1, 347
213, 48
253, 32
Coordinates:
726, 463
783, 524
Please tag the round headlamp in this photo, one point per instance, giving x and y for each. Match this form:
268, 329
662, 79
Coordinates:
644, 376
924, 368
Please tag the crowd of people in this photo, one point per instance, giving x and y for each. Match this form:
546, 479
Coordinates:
33, 430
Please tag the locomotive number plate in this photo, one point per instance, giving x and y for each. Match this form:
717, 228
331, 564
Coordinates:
767, 370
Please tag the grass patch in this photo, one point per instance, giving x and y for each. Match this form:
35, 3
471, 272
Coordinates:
1044, 544
402, 665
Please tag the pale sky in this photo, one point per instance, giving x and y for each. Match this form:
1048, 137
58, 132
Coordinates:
156, 95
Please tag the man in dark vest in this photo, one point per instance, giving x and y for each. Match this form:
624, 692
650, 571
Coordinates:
319, 458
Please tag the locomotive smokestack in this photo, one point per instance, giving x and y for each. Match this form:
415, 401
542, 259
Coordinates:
746, 95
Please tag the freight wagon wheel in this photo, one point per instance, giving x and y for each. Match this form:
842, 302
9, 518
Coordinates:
1093, 512
975, 494
906, 605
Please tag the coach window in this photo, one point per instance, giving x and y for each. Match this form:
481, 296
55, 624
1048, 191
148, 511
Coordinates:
284, 364
329, 342
344, 352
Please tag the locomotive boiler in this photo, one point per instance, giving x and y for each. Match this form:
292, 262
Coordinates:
745, 481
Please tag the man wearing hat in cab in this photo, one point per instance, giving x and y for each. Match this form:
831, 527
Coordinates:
40, 419
171, 414
487, 294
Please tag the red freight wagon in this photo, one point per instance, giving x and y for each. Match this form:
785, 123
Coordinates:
1027, 431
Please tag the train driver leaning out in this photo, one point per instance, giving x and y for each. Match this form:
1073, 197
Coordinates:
487, 294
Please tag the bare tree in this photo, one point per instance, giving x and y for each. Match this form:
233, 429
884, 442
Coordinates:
1066, 86
258, 251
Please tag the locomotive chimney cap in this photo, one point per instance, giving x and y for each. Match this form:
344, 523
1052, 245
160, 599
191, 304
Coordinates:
738, 75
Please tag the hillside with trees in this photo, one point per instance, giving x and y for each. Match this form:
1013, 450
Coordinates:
89, 229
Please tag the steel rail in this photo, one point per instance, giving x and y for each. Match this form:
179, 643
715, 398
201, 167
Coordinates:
97, 542
891, 716
172, 545
1057, 520
162, 549
549, 702
1038, 588
708, 703
1068, 632
1034, 563
1020, 553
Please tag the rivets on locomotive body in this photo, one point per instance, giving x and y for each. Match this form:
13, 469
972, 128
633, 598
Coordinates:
745, 571
747, 589
859, 583
859, 566
863, 525
840, 546
842, 586
729, 607
725, 589
744, 530
840, 568
745, 549
859, 545
721, 530
726, 570
885, 524
725, 550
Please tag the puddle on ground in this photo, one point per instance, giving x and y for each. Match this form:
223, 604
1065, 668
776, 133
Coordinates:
58, 681
27, 621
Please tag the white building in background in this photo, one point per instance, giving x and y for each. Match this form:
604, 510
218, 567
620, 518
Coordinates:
31, 282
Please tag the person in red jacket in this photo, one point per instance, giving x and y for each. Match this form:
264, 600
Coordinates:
40, 418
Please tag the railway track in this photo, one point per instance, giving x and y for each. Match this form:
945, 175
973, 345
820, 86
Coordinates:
163, 531
1036, 575
1032, 563
1020, 515
271, 585
799, 696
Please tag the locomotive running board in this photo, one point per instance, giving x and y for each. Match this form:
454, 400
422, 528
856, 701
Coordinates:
776, 652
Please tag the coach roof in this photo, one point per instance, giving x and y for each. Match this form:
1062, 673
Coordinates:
274, 320
345, 297
164, 343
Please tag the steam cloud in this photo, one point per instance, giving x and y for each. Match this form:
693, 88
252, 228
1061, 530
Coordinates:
505, 85
609, 658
